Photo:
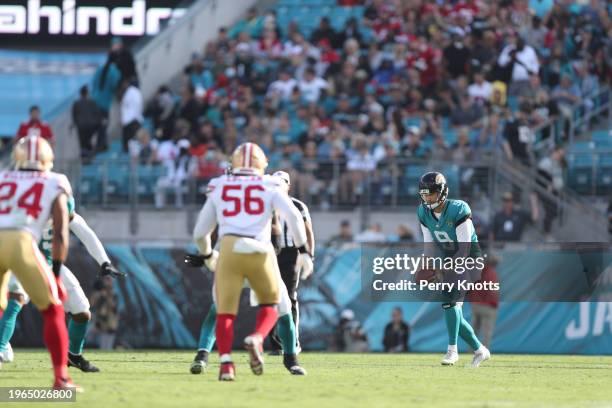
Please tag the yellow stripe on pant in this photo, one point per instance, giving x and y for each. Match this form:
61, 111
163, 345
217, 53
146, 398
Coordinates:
20, 255
260, 269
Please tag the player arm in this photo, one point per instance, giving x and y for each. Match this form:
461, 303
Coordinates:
464, 231
88, 237
310, 237
60, 241
275, 231
309, 230
294, 219
427, 237
205, 225
428, 241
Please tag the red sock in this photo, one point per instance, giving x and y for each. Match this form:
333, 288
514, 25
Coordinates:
266, 319
56, 339
225, 333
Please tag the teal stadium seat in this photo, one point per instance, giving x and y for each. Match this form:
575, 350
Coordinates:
450, 136
147, 179
90, 186
602, 138
412, 174
118, 179
452, 179
604, 174
580, 172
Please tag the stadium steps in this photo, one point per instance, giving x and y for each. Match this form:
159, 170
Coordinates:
577, 220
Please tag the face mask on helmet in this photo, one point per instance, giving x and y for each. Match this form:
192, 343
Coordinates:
440, 189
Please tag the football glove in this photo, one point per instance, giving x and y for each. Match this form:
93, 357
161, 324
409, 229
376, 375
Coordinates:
304, 265
197, 260
107, 269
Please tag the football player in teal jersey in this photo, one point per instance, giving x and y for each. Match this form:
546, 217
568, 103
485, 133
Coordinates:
447, 224
76, 303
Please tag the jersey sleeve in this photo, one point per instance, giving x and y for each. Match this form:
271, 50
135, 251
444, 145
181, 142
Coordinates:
71, 206
427, 237
464, 213
304, 211
421, 215
64, 185
205, 224
282, 203
88, 237
212, 185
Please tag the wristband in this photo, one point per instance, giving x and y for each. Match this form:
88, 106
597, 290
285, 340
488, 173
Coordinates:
208, 256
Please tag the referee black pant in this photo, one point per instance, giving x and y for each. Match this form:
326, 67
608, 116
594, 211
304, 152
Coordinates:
287, 259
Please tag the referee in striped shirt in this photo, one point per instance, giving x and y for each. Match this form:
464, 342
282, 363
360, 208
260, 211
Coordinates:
287, 254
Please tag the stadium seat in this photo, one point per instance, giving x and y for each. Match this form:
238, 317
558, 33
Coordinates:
147, 179
450, 136
580, 173
412, 175
412, 121
118, 178
90, 186
582, 147
604, 174
602, 138
24, 83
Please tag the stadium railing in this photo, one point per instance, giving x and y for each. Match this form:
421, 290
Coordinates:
598, 103
116, 184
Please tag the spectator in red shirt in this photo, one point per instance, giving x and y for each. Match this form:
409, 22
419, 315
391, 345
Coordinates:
34, 126
485, 304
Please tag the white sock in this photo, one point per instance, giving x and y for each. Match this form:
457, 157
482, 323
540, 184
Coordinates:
225, 358
452, 348
480, 349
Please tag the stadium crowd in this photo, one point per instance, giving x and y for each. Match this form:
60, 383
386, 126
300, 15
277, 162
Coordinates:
445, 80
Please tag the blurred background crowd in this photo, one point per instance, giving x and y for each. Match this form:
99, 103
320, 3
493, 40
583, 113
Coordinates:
383, 80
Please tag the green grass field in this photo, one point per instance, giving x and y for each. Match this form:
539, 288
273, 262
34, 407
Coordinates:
162, 379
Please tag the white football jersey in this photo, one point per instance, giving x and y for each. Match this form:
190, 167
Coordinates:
26, 198
243, 205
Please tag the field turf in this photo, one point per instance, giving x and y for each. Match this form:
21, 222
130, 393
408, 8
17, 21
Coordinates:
162, 379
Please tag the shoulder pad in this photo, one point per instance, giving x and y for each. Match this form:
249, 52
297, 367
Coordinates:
272, 181
212, 184
63, 183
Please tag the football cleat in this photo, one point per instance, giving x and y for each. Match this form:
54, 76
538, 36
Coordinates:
199, 363
227, 372
78, 361
290, 362
66, 384
7, 354
254, 345
450, 358
297, 370
479, 356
